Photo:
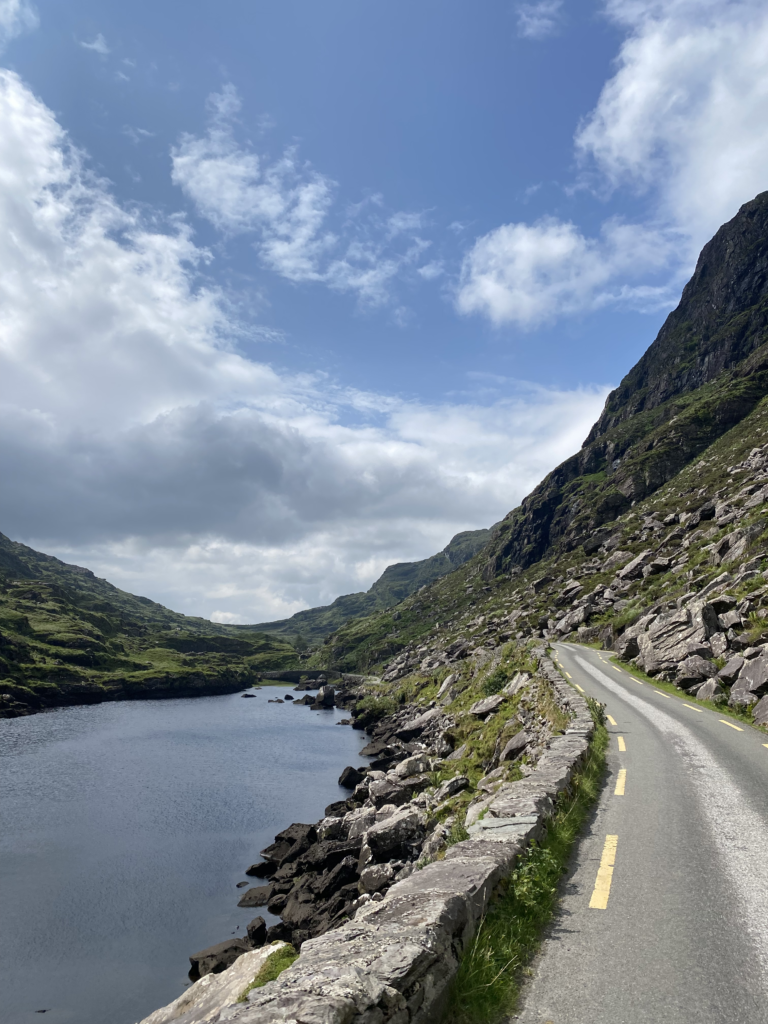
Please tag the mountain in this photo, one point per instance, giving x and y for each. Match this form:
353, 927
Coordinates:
706, 371
395, 583
652, 540
67, 637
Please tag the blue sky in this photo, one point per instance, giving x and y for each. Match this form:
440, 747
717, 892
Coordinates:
294, 290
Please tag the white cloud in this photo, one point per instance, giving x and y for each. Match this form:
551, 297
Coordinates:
529, 274
685, 117
286, 204
141, 443
683, 123
537, 21
16, 16
98, 45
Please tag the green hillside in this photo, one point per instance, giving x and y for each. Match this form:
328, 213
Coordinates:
68, 637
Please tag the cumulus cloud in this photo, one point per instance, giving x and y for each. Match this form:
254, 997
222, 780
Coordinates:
537, 21
286, 204
141, 443
16, 16
529, 274
682, 123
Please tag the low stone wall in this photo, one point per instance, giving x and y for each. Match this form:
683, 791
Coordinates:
394, 962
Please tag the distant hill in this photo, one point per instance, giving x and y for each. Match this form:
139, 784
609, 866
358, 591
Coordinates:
67, 637
395, 584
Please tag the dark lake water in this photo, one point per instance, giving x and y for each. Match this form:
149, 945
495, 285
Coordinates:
124, 828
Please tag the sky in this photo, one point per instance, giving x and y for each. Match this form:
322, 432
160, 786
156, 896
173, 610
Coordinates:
291, 291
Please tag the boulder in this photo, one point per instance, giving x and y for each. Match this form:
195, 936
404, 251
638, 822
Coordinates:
752, 682
415, 726
351, 777
326, 697
515, 746
719, 644
257, 932
673, 637
290, 843
446, 684
450, 787
247, 694
730, 671
376, 877
626, 647
657, 566
344, 873
396, 834
760, 711
414, 765
711, 690
483, 708
259, 896
337, 809
216, 959
694, 670
634, 569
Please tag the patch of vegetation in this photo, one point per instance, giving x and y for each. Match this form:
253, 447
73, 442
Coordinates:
272, 968
487, 985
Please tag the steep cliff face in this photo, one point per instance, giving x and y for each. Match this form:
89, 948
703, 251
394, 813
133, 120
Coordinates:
705, 372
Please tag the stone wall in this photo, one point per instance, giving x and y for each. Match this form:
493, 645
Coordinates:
394, 962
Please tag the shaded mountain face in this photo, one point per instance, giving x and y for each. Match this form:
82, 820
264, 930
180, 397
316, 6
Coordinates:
395, 584
706, 371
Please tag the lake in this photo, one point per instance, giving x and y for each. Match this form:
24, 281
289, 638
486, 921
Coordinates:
124, 830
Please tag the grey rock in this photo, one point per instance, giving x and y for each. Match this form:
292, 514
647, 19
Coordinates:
626, 647
731, 670
326, 696
202, 1002
415, 726
217, 958
376, 877
257, 897
483, 708
450, 787
711, 690
446, 684
752, 682
257, 932
729, 619
719, 644
634, 569
572, 619
414, 765
396, 834
515, 747
350, 777
760, 711
694, 670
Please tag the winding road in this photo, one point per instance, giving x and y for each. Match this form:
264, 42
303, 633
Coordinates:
664, 917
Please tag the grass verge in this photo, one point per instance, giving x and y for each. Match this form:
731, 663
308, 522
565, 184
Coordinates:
488, 982
272, 968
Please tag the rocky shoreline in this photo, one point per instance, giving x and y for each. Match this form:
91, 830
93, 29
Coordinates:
412, 812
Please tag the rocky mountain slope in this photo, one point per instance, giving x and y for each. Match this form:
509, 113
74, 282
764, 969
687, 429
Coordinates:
67, 637
652, 540
395, 583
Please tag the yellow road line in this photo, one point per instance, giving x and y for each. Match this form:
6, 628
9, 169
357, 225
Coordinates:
568, 674
579, 688
731, 725
621, 782
604, 878
616, 667
622, 745
765, 744
661, 693
612, 720
692, 708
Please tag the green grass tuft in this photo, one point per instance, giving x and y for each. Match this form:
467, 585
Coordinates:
272, 968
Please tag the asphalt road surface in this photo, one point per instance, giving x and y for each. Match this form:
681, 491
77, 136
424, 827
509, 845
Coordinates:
664, 918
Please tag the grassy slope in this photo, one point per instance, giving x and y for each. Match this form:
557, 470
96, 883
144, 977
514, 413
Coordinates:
68, 637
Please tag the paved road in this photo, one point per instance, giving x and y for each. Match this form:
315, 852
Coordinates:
664, 919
